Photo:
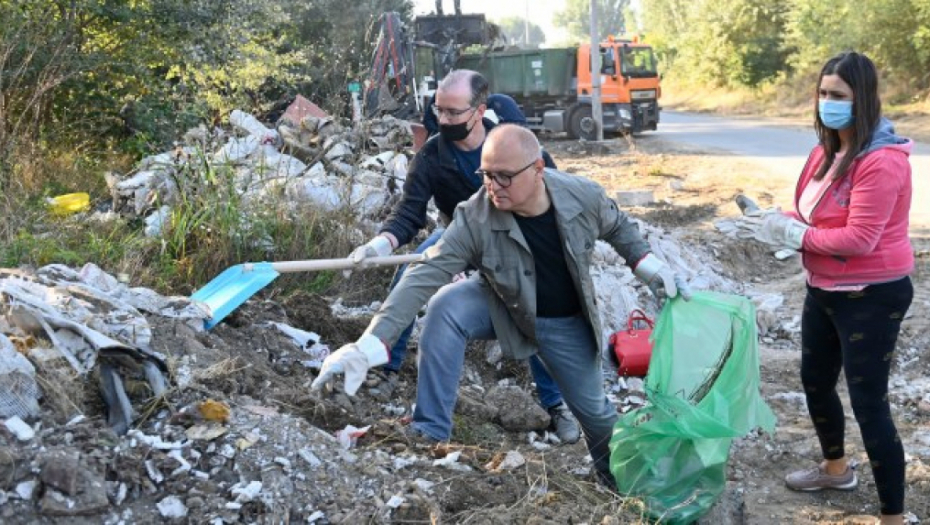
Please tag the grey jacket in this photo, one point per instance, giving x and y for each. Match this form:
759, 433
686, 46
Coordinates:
482, 236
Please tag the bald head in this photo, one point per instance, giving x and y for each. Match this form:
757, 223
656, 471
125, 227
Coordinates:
516, 140
466, 79
513, 170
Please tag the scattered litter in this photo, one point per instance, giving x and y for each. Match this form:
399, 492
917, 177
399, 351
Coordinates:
205, 432
349, 435
19, 428
154, 441
451, 461
214, 411
310, 458
246, 492
69, 203
261, 411
154, 474
247, 440
19, 393
26, 489
172, 507
509, 461
155, 222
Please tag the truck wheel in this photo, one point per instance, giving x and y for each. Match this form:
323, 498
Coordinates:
582, 124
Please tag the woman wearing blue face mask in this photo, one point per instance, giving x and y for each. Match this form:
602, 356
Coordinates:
850, 223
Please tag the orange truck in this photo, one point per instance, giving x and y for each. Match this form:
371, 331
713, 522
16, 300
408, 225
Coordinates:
553, 86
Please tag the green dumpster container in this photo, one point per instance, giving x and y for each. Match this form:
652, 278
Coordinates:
526, 73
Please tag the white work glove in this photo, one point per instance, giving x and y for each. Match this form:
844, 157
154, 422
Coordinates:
353, 360
782, 232
662, 281
378, 246
747, 226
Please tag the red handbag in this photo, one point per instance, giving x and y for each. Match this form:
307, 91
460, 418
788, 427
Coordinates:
632, 347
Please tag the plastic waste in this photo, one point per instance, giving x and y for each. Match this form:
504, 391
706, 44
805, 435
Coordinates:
69, 203
19, 392
252, 126
703, 391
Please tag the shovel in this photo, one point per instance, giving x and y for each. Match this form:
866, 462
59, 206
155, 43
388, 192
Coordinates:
236, 284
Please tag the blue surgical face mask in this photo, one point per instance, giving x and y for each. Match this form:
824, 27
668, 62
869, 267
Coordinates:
836, 114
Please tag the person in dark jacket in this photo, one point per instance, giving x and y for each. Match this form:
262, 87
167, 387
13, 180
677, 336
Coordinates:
444, 170
504, 108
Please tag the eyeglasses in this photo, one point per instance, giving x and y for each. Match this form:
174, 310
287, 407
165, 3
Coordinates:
502, 178
451, 113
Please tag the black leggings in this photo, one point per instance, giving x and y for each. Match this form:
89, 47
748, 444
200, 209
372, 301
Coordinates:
856, 331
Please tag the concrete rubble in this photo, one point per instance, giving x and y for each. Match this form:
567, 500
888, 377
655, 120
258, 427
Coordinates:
307, 158
185, 456
219, 426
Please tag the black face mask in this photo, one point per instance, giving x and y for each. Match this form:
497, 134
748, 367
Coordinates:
455, 132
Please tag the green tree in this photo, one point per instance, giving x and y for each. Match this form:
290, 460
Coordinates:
892, 32
117, 77
576, 18
514, 29
723, 42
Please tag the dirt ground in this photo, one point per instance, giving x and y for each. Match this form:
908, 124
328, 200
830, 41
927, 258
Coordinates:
273, 433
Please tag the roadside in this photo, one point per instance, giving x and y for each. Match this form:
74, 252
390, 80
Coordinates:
784, 109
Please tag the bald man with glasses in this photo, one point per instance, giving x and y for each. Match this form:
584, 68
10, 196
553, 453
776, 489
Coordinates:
444, 170
531, 232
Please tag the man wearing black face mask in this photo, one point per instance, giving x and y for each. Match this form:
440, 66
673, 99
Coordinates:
444, 170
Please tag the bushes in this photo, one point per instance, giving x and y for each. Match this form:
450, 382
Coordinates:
749, 43
208, 229
88, 86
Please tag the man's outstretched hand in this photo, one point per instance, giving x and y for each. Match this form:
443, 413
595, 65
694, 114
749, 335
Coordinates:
353, 360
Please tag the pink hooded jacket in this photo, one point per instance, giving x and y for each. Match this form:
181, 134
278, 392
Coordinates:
859, 234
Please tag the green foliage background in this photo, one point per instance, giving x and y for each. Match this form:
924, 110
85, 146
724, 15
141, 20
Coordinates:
576, 18
89, 86
103, 77
748, 43
514, 27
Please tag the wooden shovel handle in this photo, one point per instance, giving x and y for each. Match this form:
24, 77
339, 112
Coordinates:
339, 264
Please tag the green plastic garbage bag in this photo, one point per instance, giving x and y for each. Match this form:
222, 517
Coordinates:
703, 391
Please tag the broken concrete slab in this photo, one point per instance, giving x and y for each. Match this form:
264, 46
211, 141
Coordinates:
61, 470
635, 198
300, 109
517, 410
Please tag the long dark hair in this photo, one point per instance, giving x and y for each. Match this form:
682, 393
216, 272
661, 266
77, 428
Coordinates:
859, 72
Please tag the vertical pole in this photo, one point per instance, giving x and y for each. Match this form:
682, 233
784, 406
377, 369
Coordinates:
596, 111
526, 24
356, 109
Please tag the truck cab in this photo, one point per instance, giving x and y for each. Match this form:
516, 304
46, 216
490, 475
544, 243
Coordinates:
629, 86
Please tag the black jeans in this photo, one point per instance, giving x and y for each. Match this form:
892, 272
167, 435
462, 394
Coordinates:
856, 332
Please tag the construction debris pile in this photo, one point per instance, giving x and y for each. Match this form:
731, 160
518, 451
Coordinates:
307, 159
214, 431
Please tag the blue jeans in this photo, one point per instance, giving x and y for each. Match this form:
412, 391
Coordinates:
549, 395
459, 313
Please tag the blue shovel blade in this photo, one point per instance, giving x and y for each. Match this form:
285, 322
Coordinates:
230, 289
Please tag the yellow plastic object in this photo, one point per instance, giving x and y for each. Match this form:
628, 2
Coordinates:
69, 203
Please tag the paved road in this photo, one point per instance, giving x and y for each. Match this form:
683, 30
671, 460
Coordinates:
783, 151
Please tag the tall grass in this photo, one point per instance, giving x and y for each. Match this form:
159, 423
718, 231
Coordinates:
210, 227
